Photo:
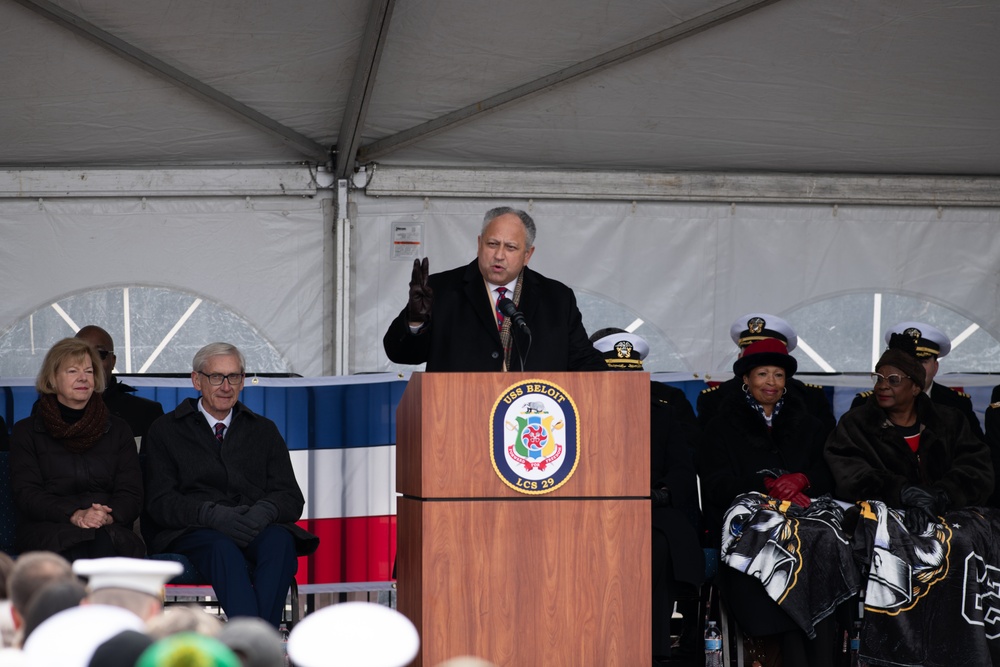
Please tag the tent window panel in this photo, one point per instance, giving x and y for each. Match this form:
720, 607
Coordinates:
164, 328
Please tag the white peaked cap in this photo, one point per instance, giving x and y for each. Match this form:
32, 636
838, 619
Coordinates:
354, 634
69, 638
134, 574
753, 327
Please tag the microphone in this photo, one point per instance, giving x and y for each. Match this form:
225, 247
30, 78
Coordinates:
508, 308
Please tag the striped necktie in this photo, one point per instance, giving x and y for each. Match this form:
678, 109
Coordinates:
220, 428
501, 293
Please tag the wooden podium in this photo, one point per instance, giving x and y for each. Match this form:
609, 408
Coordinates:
518, 570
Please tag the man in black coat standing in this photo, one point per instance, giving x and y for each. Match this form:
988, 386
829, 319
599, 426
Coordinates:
454, 321
137, 411
221, 490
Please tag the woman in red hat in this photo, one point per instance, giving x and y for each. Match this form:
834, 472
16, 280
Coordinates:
764, 439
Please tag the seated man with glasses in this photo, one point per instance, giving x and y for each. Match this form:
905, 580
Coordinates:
901, 448
220, 489
118, 397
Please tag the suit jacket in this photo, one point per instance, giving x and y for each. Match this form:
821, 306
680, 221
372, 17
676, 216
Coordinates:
462, 333
941, 395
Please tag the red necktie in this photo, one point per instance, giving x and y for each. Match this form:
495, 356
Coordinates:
219, 430
501, 293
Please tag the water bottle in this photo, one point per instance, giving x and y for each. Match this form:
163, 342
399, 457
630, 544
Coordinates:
713, 645
855, 644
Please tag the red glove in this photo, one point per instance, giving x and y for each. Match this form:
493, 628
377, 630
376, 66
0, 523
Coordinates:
787, 486
798, 498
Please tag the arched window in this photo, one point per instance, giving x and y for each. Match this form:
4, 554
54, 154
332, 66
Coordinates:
845, 333
155, 330
600, 313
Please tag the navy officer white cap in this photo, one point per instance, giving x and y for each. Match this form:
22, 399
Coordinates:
607, 343
357, 633
753, 327
931, 341
134, 574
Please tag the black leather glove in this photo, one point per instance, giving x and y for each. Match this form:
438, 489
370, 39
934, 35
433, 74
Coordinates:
917, 518
660, 497
418, 308
922, 506
226, 520
260, 515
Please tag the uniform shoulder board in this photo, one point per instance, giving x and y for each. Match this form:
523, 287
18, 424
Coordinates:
866, 394
994, 405
963, 394
814, 386
705, 391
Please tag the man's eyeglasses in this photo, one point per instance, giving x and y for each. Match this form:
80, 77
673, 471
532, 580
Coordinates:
104, 353
215, 379
893, 380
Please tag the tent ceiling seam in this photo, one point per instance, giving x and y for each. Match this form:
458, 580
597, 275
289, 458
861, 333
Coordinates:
309, 148
362, 84
622, 54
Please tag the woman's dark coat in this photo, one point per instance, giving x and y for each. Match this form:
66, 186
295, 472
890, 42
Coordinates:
871, 461
738, 449
50, 482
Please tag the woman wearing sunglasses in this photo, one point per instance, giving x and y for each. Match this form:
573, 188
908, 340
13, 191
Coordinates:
902, 449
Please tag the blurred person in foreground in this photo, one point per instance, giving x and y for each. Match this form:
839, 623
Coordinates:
32, 571
903, 449
221, 490
764, 439
75, 473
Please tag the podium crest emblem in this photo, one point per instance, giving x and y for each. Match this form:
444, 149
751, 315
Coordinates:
534, 438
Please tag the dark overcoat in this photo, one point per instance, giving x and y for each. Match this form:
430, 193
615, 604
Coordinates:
50, 482
185, 466
738, 447
871, 461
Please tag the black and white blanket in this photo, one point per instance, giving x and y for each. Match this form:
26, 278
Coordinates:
931, 599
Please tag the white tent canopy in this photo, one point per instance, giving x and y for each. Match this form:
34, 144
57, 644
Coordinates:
859, 141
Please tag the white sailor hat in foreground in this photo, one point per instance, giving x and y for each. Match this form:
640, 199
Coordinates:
930, 341
353, 634
753, 327
134, 574
69, 638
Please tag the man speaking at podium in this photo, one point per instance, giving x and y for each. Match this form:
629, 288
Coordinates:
494, 314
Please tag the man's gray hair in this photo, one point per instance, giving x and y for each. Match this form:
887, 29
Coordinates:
202, 356
529, 224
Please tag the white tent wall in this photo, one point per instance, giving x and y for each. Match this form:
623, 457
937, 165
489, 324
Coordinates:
267, 259
689, 269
